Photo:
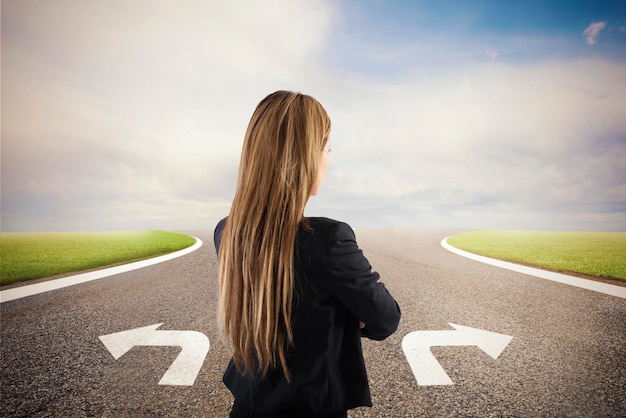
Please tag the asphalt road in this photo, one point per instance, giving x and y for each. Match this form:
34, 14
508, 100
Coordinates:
567, 355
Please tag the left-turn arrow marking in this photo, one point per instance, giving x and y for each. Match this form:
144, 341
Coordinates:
184, 369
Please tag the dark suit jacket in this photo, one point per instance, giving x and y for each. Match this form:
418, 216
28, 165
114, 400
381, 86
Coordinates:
335, 287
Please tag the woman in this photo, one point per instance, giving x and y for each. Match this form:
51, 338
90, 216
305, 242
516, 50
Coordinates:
296, 294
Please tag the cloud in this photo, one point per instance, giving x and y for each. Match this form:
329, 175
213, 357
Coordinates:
109, 123
491, 53
593, 30
544, 141
120, 124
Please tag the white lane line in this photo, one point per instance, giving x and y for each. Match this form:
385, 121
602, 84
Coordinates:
605, 288
33, 289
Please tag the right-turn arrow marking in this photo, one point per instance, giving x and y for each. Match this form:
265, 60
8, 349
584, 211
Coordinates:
427, 370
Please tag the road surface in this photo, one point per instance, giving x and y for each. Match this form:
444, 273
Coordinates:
562, 349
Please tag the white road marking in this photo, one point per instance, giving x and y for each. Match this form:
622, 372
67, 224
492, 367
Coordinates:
427, 370
184, 369
605, 288
33, 289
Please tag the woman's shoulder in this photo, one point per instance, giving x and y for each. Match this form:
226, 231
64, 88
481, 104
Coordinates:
329, 227
319, 221
221, 223
217, 232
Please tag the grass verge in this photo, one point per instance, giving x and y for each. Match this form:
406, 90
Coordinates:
35, 255
599, 254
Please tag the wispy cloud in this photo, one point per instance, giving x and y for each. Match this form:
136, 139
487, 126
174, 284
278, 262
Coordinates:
492, 53
593, 30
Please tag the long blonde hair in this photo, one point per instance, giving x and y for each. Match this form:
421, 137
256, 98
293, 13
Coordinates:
277, 174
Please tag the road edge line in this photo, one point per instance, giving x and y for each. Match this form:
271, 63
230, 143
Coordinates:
42, 287
606, 288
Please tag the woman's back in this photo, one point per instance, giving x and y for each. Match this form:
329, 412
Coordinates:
335, 289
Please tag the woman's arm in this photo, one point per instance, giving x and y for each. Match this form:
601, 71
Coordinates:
358, 287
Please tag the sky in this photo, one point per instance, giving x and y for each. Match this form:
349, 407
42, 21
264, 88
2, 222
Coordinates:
121, 115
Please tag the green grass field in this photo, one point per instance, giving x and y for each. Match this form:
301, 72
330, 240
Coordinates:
600, 254
26, 256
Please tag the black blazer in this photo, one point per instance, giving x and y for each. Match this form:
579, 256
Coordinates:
335, 288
